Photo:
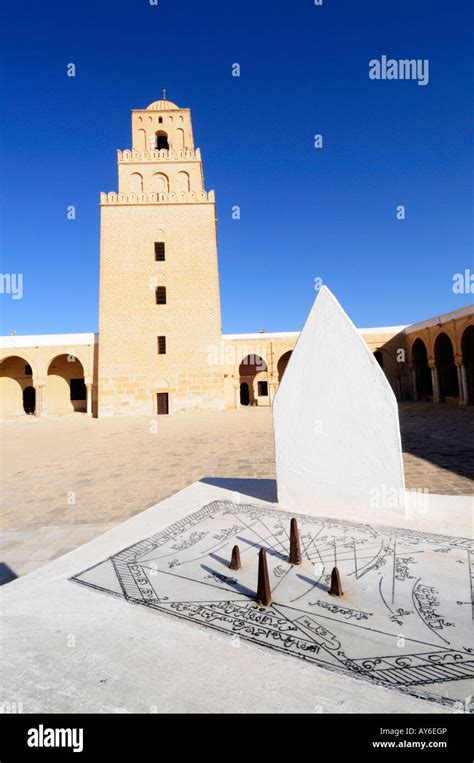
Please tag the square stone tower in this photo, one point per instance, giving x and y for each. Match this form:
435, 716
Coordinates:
159, 314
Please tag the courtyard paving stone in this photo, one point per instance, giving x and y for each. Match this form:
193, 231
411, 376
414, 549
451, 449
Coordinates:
68, 479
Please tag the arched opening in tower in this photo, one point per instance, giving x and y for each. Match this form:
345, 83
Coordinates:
161, 140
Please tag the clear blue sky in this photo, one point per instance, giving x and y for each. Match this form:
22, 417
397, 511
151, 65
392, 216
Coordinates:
304, 212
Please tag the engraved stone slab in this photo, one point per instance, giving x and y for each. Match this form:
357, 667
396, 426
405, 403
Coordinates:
404, 621
335, 418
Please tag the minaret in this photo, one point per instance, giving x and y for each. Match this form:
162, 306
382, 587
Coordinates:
159, 321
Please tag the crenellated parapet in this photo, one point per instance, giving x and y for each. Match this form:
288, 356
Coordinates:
180, 197
155, 155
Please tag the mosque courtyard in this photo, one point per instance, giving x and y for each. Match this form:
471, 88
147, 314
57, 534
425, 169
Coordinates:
67, 479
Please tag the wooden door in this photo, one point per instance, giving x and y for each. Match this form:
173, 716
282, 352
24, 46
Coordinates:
162, 403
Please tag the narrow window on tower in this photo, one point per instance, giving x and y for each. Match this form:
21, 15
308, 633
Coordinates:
159, 251
160, 295
161, 345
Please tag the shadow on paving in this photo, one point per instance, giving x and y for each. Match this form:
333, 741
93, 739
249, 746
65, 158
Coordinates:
264, 489
6, 574
440, 433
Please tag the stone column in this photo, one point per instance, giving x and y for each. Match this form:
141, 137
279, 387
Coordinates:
399, 389
414, 386
458, 371
464, 385
89, 399
237, 396
435, 381
272, 388
40, 403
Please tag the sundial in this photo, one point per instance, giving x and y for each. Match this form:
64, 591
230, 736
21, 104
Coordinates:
404, 620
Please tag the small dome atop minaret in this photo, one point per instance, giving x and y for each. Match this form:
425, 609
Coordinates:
162, 105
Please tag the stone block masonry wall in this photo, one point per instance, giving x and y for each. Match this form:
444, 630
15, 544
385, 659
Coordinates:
137, 395
131, 371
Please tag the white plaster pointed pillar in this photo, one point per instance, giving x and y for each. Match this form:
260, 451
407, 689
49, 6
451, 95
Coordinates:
335, 419
435, 382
